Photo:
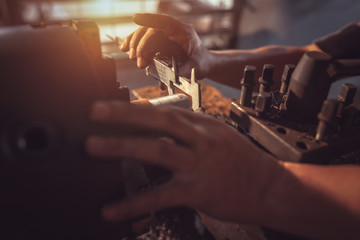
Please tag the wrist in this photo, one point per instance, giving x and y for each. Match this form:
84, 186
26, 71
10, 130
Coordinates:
272, 174
214, 63
227, 66
211, 63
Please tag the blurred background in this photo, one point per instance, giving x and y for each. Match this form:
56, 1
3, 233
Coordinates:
222, 24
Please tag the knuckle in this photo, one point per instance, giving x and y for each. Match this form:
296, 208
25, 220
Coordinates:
140, 51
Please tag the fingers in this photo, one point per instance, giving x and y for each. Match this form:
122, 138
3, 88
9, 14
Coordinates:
154, 41
140, 45
175, 30
165, 196
143, 149
131, 42
147, 46
173, 122
135, 39
158, 33
126, 43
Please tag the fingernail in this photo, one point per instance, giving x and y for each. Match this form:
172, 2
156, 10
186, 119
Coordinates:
141, 62
100, 110
132, 53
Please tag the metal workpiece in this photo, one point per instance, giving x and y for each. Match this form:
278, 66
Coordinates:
285, 78
247, 85
165, 70
263, 103
179, 100
266, 80
327, 118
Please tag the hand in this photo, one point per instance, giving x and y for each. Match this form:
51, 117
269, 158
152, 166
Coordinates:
215, 169
164, 34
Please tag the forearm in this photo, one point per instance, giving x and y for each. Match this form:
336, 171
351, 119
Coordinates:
227, 66
321, 202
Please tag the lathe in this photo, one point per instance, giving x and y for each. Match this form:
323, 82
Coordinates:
51, 75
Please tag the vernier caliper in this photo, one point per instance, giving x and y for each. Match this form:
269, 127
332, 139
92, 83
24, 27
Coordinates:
166, 71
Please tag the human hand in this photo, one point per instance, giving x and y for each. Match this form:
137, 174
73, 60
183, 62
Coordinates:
214, 168
172, 38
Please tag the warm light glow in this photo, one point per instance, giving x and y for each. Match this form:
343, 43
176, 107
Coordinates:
113, 8
58, 10
99, 8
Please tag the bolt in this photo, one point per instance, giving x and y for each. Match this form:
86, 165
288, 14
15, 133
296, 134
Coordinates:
347, 94
248, 83
286, 76
345, 97
266, 80
263, 103
327, 118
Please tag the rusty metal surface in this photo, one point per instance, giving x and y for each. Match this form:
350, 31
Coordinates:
289, 140
295, 127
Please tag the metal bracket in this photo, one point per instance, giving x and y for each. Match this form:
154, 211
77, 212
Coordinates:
166, 71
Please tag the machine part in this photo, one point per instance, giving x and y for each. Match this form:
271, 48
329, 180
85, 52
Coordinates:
247, 85
266, 80
347, 94
327, 117
311, 80
309, 86
263, 102
286, 76
88, 33
165, 70
50, 188
179, 100
345, 97
292, 138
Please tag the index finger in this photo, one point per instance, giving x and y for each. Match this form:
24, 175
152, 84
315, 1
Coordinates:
165, 23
